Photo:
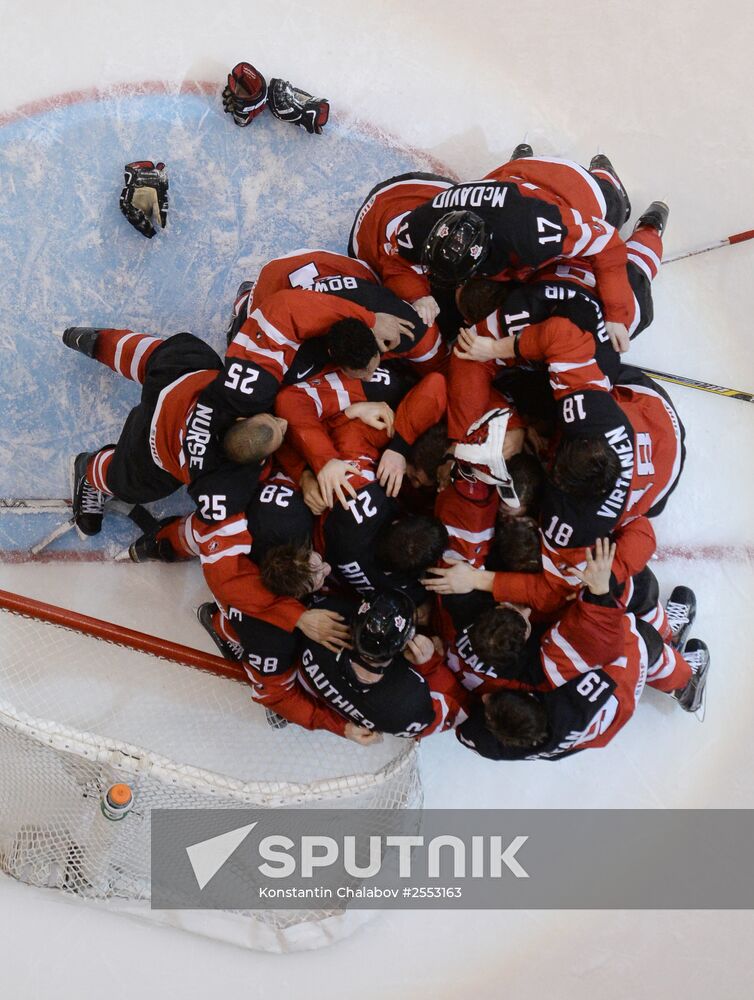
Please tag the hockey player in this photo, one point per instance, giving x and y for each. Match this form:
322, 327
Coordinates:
596, 661
260, 567
262, 353
555, 321
348, 278
319, 414
619, 459
175, 436
383, 210
392, 681
523, 216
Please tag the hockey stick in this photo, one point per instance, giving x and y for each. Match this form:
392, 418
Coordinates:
140, 516
728, 241
26, 505
692, 383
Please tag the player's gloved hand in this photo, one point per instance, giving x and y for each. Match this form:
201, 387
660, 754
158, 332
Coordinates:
328, 628
427, 308
311, 493
390, 471
596, 575
333, 481
290, 104
419, 650
377, 415
618, 335
245, 95
145, 195
388, 331
361, 735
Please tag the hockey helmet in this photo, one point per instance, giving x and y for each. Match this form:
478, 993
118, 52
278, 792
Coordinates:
479, 455
456, 248
382, 628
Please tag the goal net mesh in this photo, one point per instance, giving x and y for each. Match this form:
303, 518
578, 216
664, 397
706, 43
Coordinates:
78, 714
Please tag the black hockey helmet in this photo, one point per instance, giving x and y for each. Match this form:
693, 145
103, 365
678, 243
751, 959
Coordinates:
456, 248
383, 626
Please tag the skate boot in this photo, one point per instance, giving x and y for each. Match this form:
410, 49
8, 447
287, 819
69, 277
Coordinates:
691, 697
522, 151
681, 612
88, 502
655, 217
240, 309
229, 649
82, 339
601, 166
275, 721
150, 546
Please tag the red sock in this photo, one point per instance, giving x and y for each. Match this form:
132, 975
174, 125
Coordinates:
126, 352
670, 673
645, 250
96, 469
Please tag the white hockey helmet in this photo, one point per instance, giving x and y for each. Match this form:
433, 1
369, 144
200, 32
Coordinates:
479, 455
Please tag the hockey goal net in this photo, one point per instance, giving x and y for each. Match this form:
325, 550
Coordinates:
85, 705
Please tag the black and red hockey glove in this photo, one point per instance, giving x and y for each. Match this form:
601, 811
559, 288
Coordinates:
245, 95
145, 196
297, 107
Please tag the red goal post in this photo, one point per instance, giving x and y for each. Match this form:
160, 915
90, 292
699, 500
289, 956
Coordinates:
119, 635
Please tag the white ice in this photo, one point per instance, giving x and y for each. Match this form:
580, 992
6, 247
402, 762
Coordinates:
665, 89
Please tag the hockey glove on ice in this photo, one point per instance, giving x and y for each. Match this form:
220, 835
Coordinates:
245, 95
145, 196
297, 107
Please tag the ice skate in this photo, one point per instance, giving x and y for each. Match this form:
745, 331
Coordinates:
82, 339
691, 697
601, 165
522, 151
229, 649
88, 502
655, 217
681, 612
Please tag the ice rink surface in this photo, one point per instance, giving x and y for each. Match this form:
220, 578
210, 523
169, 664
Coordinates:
665, 91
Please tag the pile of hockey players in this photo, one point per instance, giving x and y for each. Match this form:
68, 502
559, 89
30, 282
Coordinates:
424, 478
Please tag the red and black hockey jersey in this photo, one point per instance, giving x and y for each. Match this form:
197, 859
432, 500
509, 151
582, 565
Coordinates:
410, 701
596, 662
536, 210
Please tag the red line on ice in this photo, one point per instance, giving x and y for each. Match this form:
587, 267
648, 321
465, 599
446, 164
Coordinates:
145, 88
700, 553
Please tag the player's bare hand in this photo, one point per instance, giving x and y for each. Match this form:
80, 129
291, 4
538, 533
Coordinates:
618, 335
377, 415
427, 308
457, 579
419, 650
361, 735
333, 482
513, 442
328, 628
312, 496
388, 331
471, 347
390, 471
596, 575
538, 442
443, 475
